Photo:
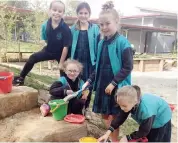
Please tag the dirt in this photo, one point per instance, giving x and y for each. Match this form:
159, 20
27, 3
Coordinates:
162, 84
13, 127
30, 126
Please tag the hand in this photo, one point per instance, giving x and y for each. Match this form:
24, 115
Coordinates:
68, 92
109, 89
52, 61
123, 139
104, 137
85, 85
43, 43
60, 66
85, 94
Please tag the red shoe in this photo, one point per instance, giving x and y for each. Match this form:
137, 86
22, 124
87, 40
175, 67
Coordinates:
44, 109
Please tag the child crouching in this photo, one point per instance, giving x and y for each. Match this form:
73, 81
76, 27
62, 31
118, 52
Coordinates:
68, 84
151, 112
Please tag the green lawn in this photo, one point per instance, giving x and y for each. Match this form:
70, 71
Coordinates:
24, 46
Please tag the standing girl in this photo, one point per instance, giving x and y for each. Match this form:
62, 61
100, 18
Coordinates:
113, 66
66, 85
56, 34
84, 44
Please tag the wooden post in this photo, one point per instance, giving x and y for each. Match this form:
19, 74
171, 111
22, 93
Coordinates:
20, 56
140, 41
141, 66
49, 65
161, 65
40, 68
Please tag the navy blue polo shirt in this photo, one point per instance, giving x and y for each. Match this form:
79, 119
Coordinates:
57, 38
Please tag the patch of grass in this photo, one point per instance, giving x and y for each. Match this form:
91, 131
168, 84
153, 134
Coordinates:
24, 46
149, 56
129, 126
32, 79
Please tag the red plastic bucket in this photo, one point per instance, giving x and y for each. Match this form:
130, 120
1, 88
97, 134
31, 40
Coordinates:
172, 106
6, 82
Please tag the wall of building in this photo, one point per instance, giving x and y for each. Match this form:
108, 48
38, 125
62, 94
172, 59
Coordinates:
134, 38
160, 43
170, 23
132, 21
138, 21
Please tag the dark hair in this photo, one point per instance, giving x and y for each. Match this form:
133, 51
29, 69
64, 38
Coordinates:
56, 1
83, 5
79, 7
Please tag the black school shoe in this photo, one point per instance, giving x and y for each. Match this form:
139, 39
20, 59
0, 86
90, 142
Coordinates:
18, 81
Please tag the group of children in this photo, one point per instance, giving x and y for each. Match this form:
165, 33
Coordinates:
101, 57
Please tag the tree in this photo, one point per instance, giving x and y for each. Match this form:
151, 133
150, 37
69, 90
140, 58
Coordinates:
33, 21
7, 23
71, 6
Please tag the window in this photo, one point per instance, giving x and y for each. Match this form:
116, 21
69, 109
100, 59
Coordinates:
166, 33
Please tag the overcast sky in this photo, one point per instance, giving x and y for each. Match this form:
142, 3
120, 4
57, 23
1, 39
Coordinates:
128, 7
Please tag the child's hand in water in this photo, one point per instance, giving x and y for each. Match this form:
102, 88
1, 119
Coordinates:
123, 139
109, 89
68, 92
104, 137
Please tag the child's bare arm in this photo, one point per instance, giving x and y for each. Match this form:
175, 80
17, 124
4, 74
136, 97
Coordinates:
67, 42
64, 55
43, 43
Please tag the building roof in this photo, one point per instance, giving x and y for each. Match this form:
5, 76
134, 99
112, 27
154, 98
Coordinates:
158, 11
20, 10
148, 28
140, 16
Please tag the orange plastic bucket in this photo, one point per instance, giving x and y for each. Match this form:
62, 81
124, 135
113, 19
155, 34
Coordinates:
87, 139
6, 82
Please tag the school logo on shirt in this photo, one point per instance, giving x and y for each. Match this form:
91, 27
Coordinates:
59, 36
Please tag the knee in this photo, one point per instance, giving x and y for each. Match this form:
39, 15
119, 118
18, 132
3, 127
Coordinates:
32, 59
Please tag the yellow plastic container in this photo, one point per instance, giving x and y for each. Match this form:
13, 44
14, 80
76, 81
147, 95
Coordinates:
87, 139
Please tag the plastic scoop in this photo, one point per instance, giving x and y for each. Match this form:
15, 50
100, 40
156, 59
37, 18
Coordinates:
70, 96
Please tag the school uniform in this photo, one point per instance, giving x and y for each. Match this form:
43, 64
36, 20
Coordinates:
84, 45
153, 114
58, 91
113, 65
56, 39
